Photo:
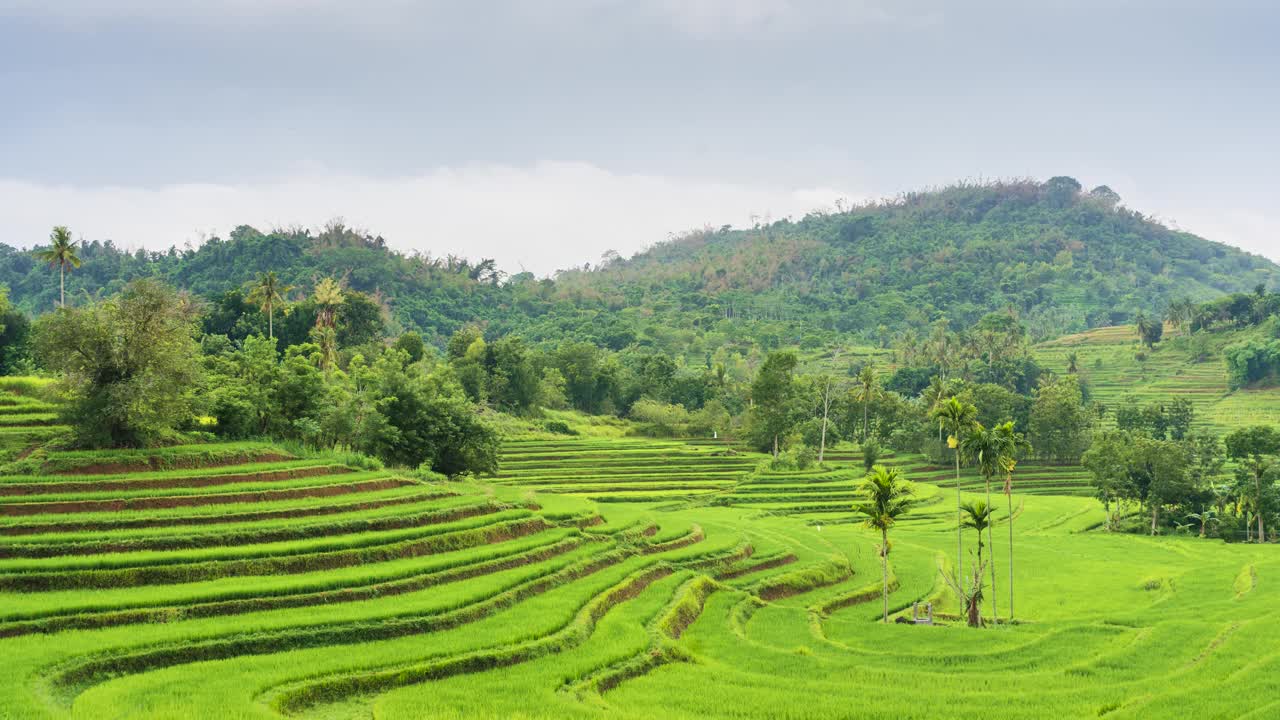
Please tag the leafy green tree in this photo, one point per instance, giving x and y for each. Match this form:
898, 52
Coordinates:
435, 423
1059, 422
886, 498
1150, 331
412, 345
512, 381
61, 254
268, 292
958, 418
1107, 461
1256, 449
773, 394
128, 364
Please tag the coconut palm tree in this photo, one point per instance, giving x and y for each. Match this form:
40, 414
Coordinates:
868, 388
267, 292
978, 516
887, 496
1073, 365
328, 297
934, 395
956, 417
985, 450
1013, 445
61, 254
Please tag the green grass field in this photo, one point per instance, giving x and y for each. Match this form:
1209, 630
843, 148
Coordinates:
1181, 366
594, 577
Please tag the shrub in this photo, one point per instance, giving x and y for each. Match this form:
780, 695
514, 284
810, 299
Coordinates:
871, 452
559, 427
426, 474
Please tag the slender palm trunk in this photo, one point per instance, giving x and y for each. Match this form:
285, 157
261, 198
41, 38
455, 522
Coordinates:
864, 419
995, 612
62, 285
1155, 516
826, 407
1257, 479
884, 571
959, 521
1009, 497
271, 325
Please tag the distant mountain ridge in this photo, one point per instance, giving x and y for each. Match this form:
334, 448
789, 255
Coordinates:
1063, 259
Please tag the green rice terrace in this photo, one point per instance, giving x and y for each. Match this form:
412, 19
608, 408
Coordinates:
1115, 366
593, 577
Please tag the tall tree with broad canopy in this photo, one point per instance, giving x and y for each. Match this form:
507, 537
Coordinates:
129, 364
1256, 449
773, 400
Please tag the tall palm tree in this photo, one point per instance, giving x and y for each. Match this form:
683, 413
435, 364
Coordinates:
978, 516
957, 417
1011, 446
867, 388
887, 496
328, 297
267, 292
61, 254
985, 450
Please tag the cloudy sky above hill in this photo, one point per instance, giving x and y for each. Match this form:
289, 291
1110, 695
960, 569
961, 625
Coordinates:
544, 133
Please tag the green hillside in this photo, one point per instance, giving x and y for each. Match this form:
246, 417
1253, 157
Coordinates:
1063, 259
1115, 366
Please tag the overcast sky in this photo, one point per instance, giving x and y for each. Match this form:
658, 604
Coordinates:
544, 133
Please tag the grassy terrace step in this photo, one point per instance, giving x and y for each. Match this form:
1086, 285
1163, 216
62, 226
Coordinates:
572, 577
586, 488
253, 472
13, 420
423, 504
626, 469
623, 481
280, 509
225, 537
193, 566
30, 606
106, 462
344, 475
465, 565
378, 481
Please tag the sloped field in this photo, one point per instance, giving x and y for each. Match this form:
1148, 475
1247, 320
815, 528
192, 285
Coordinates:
1108, 359
615, 578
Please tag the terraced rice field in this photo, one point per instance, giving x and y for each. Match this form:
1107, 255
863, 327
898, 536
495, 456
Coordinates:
1107, 360
593, 578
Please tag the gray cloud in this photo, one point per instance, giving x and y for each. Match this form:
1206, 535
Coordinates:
1172, 103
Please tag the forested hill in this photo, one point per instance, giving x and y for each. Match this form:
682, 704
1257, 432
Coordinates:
1064, 259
